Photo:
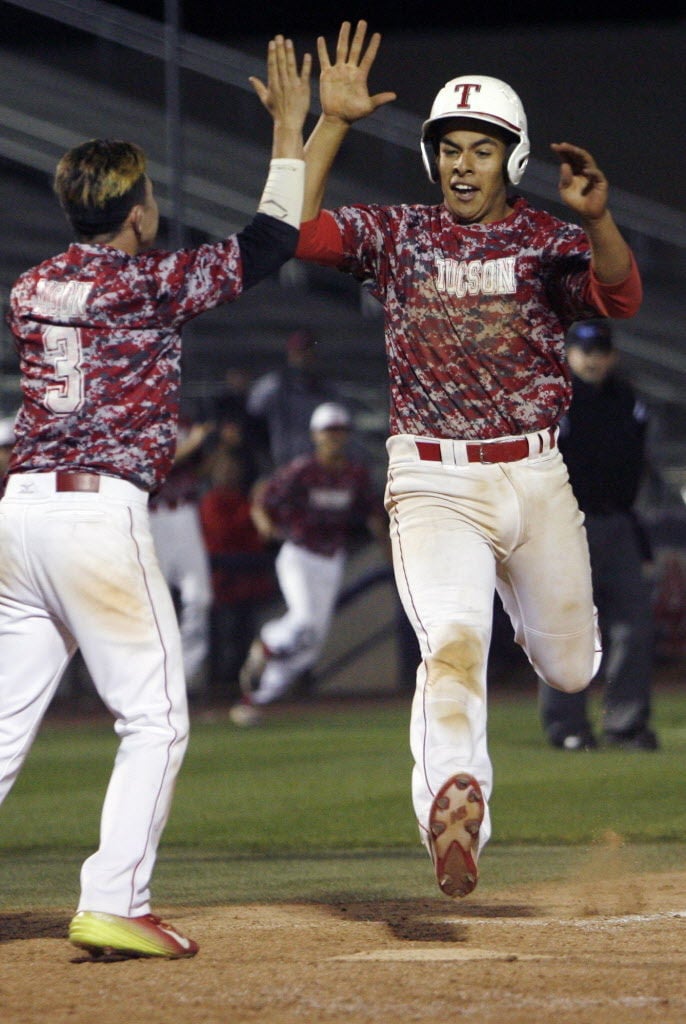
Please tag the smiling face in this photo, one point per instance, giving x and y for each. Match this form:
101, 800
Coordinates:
471, 167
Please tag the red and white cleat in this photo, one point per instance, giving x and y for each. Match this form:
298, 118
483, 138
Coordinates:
454, 822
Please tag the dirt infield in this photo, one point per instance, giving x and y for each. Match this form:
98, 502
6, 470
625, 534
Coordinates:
584, 952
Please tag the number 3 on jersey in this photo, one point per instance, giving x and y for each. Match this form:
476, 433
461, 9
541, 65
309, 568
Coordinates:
62, 346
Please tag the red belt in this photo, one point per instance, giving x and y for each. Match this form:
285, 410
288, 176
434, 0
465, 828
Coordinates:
68, 481
511, 450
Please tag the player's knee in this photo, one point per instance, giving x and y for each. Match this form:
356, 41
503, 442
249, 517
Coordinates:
177, 735
567, 677
458, 655
566, 684
569, 666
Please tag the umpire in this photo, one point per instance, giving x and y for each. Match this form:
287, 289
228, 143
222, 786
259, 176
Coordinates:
602, 439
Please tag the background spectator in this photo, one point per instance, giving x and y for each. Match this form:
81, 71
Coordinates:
286, 398
181, 552
242, 569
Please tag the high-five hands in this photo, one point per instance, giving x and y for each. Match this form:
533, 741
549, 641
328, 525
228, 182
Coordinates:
343, 88
287, 92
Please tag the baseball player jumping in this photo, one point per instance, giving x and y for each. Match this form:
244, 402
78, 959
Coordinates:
98, 334
478, 292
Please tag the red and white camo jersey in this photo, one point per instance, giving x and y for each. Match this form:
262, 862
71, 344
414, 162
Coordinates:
475, 314
98, 336
319, 508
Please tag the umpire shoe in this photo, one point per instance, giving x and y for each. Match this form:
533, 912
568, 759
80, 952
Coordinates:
454, 822
578, 741
640, 739
106, 934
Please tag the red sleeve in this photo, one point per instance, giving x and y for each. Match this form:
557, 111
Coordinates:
621, 300
320, 241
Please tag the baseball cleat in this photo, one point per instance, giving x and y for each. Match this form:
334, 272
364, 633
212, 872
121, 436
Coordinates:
253, 667
245, 714
454, 822
104, 934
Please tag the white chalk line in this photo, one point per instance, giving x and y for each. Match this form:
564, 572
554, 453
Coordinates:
592, 921
442, 953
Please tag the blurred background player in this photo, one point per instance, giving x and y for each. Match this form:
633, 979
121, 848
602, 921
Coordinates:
603, 442
98, 330
314, 505
286, 398
478, 293
181, 551
242, 567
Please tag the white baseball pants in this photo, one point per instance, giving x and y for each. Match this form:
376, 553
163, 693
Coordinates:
310, 584
458, 531
79, 569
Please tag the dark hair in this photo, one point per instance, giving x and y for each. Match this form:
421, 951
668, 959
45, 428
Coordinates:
98, 183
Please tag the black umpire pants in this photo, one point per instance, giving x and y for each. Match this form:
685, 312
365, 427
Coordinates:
622, 596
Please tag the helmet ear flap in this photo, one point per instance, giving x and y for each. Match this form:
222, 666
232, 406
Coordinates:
429, 159
518, 159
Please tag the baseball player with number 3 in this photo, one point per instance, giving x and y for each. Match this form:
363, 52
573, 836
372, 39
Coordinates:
98, 334
478, 293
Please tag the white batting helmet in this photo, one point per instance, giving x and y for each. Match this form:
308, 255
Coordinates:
330, 415
482, 99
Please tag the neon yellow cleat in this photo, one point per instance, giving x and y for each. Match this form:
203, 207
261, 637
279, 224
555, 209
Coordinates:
103, 934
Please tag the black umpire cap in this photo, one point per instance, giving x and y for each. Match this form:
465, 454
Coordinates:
591, 335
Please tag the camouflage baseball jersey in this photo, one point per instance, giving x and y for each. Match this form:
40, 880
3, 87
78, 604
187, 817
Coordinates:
476, 314
98, 335
319, 508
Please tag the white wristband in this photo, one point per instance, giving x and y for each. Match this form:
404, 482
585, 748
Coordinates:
283, 191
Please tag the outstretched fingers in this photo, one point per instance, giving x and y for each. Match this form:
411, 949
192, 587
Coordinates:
358, 42
285, 84
343, 43
371, 52
323, 53
343, 89
350, 52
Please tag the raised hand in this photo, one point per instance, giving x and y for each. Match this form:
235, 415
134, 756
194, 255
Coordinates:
582, 184
287, 92
343, 88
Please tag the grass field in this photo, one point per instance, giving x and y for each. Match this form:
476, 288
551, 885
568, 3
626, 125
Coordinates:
316, 802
